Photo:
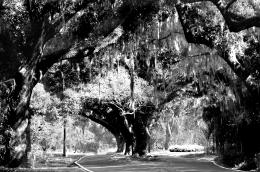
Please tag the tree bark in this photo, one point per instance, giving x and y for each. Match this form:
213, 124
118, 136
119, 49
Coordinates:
27, 161
18, 118
141, 135
129, 142
120, 143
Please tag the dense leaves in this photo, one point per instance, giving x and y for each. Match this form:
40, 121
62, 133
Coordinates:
151, 67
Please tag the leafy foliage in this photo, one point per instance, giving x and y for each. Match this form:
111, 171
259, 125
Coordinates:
116, 86
155, 66
50, 112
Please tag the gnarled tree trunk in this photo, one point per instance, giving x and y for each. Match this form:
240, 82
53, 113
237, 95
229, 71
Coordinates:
18, 118
141, 133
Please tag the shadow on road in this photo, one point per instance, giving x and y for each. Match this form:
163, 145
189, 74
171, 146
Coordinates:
157, 163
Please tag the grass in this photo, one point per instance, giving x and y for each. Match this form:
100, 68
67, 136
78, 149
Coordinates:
56, 160
51, 162
69, 169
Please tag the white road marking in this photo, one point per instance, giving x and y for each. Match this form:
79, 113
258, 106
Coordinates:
82, 167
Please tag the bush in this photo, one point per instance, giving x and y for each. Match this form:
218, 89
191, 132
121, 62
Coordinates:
186, 148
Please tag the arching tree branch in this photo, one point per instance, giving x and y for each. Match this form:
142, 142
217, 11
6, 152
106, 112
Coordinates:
235, 22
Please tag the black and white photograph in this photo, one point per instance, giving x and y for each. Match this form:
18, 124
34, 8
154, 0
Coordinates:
129, 85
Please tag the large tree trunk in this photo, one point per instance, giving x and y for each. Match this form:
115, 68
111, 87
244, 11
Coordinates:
27, 161
120, 143
128, 137
18, 119
129, 143
141, 136
127, 133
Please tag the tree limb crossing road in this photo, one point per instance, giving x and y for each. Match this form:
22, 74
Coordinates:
108, 163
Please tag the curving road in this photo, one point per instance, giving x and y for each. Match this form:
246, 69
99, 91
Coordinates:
162, 163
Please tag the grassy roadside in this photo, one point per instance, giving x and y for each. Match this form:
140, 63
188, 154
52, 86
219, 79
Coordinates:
64, 169
51, 162
56, 160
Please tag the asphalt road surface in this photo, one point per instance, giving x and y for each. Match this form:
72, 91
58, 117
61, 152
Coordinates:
163, 163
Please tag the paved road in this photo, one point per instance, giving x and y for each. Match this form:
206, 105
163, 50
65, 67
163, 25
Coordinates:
114, 163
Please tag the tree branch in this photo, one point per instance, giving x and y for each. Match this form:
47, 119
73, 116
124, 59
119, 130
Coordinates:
234, 23
229, 4
110, 39
123, 112
237, 26
212, 36
101, 122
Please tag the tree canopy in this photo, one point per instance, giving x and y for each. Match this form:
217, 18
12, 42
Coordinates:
148, 37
